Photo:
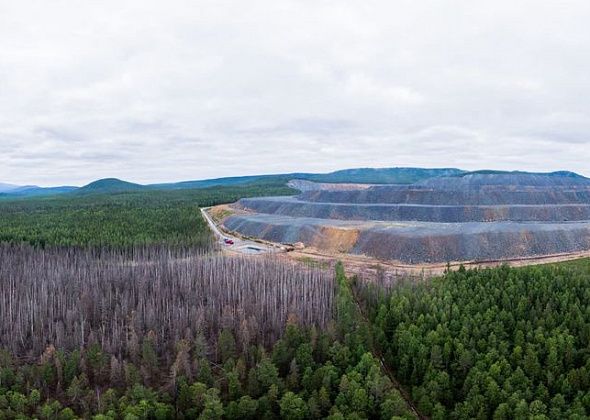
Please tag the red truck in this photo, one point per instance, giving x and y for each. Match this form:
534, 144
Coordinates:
228, 241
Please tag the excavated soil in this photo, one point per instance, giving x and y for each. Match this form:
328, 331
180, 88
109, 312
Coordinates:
474, 217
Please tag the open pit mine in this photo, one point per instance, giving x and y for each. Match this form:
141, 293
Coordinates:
476, 216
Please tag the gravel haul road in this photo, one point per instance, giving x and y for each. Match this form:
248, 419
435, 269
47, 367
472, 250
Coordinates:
237, 244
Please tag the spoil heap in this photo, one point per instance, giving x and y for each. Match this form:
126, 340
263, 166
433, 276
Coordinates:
471, 217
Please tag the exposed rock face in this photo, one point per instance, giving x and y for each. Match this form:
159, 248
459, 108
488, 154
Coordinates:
474, 216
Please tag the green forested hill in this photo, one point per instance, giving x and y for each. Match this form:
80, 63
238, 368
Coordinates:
109, 186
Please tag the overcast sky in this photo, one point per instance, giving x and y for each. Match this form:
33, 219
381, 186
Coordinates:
177, 90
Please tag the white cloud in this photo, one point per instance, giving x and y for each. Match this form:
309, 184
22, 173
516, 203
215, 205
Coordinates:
155, 91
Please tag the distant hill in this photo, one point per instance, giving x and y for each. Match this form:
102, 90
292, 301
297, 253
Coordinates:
510, 179
7, 187
346, 176
14, 191
109, 186
383, 175
229, 181
556, 174
34, 191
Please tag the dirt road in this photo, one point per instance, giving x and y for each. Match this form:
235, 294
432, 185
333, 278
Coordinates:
239, 245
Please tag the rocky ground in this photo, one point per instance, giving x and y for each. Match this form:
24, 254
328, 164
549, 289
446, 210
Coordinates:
473, 217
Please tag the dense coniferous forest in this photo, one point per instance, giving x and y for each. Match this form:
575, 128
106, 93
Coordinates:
497, 343
123, 220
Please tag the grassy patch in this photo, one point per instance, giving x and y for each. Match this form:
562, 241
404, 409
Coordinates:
312, 262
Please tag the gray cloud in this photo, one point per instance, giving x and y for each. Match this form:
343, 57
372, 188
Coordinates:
159, 91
